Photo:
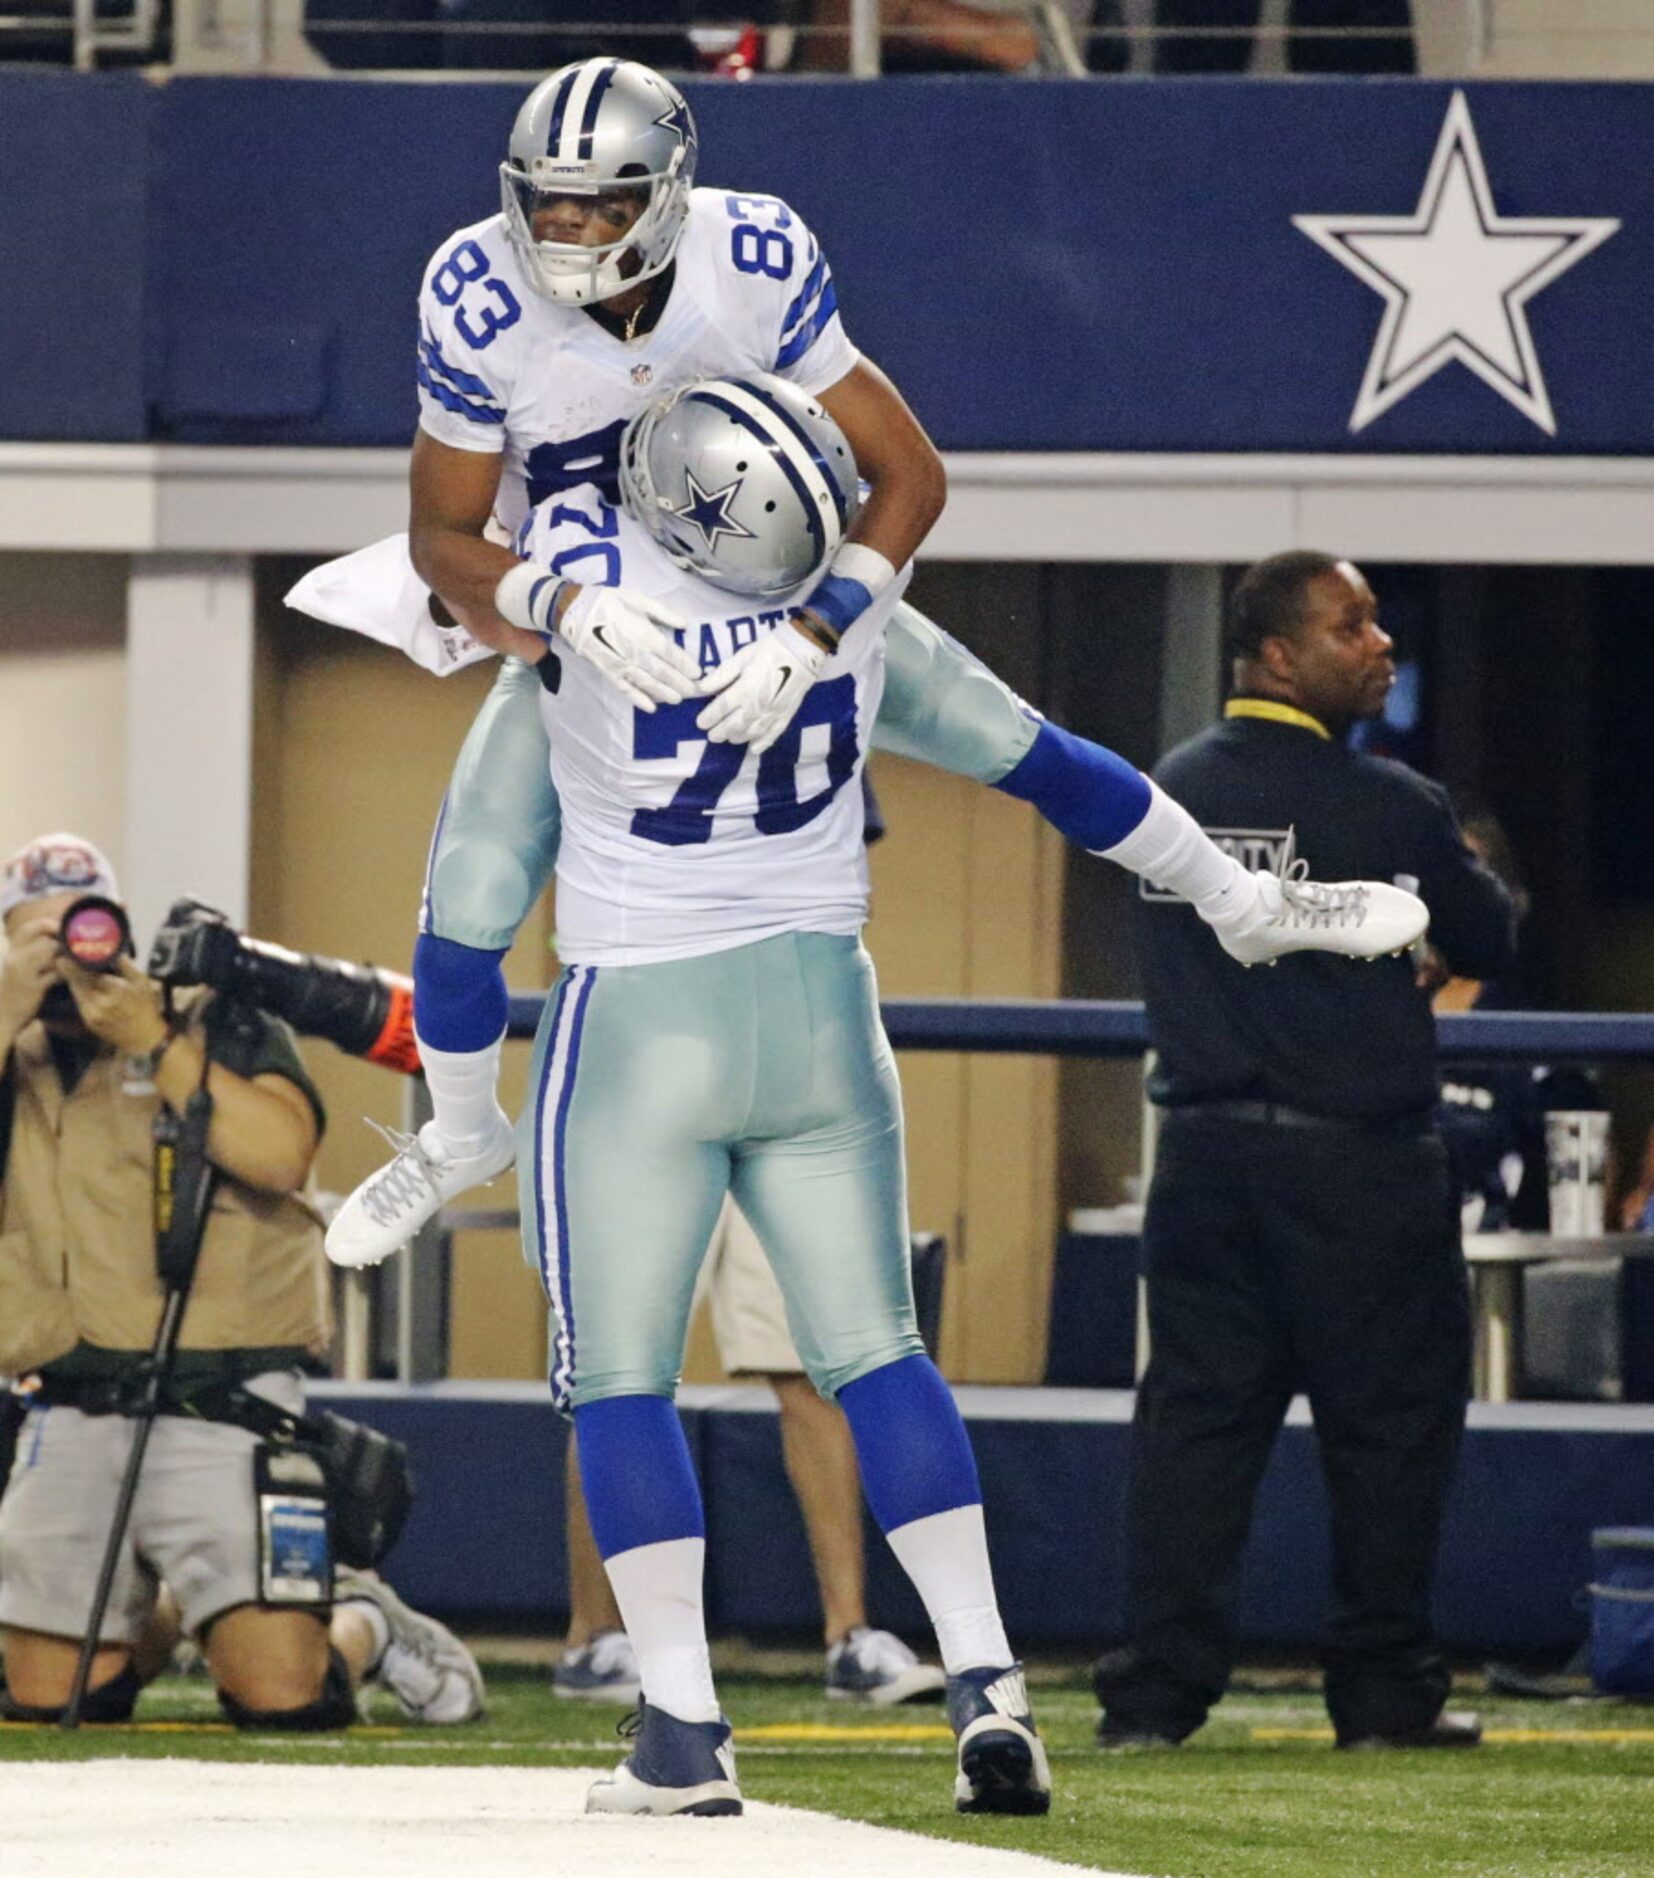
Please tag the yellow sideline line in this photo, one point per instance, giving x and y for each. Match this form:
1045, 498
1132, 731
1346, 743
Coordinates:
836, 1731
1506, 1735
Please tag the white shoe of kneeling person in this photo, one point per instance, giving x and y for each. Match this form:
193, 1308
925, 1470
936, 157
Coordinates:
395, 1201
1359, 919
433, 1676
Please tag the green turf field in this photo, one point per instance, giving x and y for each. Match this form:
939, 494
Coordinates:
1562, 1790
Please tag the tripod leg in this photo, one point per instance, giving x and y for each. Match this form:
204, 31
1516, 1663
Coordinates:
70, 1718
160, 1365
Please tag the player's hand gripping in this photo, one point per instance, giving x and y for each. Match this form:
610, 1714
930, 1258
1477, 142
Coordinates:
760, 689
629, 640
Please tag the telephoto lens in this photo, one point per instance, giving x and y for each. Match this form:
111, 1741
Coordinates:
95, 933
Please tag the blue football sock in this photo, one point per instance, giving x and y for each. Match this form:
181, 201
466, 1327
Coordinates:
911, 1443
635, 1467
460, 999
1083, 790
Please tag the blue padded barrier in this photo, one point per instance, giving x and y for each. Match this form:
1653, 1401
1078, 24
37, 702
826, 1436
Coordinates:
485, 1538
270, 233
76, 236
1116, 1028
486, 1532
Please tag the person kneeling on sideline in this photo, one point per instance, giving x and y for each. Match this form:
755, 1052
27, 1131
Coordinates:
87, 1059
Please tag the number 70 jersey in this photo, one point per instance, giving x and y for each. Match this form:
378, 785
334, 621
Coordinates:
503, 370
674, 847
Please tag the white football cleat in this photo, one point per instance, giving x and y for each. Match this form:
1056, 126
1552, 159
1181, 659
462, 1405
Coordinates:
390, 1206
1360, 919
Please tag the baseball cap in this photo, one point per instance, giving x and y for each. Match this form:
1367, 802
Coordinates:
59, 863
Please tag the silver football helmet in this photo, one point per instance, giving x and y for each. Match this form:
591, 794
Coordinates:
746, 481
591, 129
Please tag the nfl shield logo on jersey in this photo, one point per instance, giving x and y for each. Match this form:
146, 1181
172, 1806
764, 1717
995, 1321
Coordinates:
642, 374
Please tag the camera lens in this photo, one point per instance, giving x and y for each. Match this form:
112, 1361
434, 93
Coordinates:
94, 933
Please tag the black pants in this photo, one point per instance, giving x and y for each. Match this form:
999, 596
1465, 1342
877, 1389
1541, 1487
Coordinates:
1278, 1259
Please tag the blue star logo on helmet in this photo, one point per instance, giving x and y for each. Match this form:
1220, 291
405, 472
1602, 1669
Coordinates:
677, 120
709, 512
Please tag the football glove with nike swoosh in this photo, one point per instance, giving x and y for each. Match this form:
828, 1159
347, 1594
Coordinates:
629, 639
760, 689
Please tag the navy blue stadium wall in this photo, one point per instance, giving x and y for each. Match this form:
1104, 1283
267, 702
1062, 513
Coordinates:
1069, 265
485, 1538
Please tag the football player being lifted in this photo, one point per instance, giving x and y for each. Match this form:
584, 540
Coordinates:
606, 280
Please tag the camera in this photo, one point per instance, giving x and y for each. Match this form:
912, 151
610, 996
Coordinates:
94, 932
364, 1011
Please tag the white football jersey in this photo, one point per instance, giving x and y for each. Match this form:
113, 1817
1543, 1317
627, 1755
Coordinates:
503, 369
674, 847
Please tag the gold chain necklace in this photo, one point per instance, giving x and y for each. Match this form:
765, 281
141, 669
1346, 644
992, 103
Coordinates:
632, 319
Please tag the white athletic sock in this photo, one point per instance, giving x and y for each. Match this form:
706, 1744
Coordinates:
1169, 847
946, 1556
658, 1589
376, 1623
464, 1093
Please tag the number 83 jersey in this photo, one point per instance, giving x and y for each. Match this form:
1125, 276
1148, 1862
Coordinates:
673, 847
502, 369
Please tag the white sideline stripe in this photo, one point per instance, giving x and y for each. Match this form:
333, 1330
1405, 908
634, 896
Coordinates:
227, 1819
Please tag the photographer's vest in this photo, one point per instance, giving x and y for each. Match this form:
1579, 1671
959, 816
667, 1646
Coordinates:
77, 1235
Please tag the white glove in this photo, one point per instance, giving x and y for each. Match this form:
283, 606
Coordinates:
760, 689
629, 640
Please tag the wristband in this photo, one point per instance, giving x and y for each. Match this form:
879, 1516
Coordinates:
855, 577
526, 595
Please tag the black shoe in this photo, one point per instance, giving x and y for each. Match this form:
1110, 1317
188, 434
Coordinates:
1112, 1738
1448, 1730
1002, 1764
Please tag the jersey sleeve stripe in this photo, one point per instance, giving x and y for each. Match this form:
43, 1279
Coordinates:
477, 388
452, 401
806, 293
810, 332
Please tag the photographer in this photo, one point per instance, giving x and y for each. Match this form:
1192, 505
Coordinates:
234, 1524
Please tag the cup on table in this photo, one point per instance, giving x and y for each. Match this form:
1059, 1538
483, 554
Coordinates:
1576, 1157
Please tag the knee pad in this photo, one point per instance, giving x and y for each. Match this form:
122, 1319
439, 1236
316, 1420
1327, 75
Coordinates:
111, 1701
333, 1709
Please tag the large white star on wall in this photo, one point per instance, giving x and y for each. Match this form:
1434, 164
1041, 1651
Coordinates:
1456, 277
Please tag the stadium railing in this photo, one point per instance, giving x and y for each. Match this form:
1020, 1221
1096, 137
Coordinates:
1029, 1027
347, 37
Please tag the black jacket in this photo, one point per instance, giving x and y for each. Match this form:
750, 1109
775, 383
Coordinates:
1332, 1035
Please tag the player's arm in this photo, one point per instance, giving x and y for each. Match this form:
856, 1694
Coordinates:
451, 497
759, 693
514, 605
908, 483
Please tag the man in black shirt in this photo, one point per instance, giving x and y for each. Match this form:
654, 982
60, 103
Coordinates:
1301, 1230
